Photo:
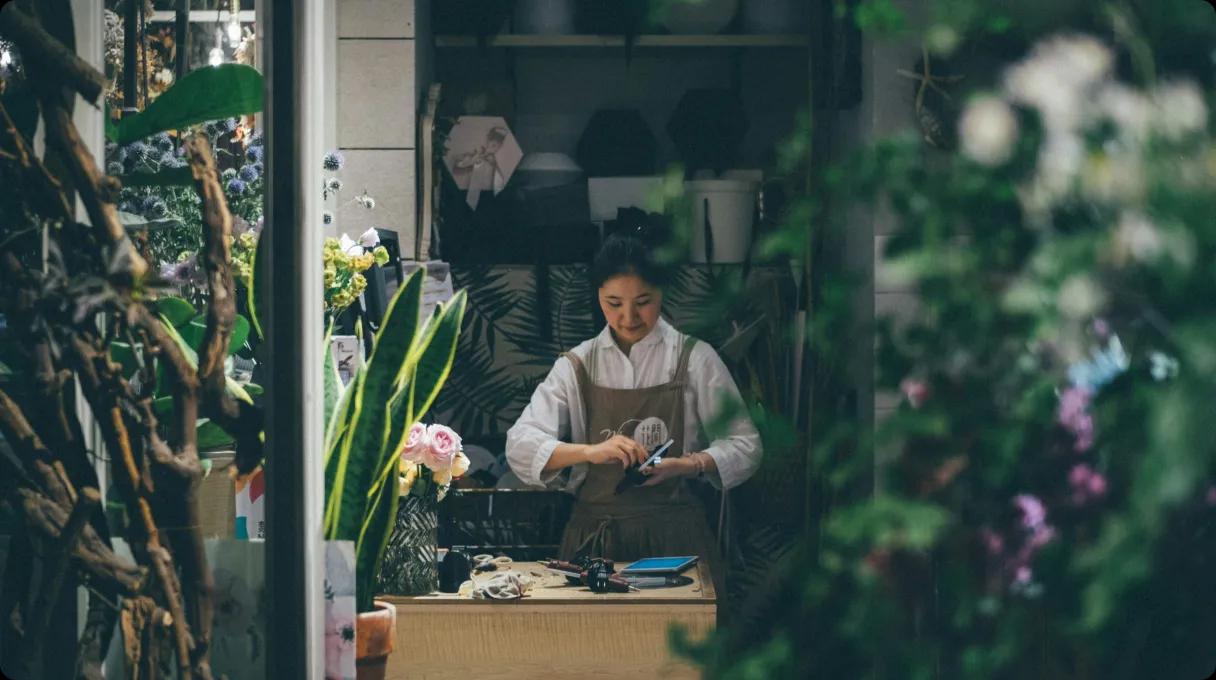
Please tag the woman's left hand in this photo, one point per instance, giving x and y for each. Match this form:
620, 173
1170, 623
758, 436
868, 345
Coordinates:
669, 468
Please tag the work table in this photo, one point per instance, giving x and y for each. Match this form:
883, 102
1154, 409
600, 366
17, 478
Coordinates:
556, 631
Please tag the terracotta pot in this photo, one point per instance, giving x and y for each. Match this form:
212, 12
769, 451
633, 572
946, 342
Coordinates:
375, 632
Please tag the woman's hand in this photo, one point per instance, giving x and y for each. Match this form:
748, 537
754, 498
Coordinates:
669, 468
617, 449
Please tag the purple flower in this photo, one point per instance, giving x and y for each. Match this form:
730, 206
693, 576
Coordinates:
248, 173
255, 154
1033, 512
1073, 414
1022, 575
993, 543
333, 161
1087, 485
236, 186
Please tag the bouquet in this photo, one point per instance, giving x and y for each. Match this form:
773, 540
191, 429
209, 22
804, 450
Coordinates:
432, 457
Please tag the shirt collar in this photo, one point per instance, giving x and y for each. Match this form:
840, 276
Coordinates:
661, 331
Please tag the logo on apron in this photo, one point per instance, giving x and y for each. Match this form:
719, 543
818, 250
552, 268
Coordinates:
649, 432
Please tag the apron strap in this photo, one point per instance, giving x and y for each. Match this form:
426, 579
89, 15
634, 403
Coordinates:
580, 373
681, 373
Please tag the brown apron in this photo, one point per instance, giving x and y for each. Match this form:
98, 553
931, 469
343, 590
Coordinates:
644, 521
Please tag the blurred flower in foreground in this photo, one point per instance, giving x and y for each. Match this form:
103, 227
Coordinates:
988, 129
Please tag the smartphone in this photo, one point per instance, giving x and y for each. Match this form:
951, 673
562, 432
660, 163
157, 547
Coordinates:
633, 476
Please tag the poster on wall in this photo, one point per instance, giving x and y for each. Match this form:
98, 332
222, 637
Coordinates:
481, 154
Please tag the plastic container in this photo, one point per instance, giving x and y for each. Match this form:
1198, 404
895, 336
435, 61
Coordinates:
792, 17
707, 17
729, 205
544, 17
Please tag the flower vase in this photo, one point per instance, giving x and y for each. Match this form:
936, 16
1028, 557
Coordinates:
409, 566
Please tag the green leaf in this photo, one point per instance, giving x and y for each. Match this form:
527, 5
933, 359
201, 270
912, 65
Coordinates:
209, 93
111, 128
437, 355
373, 538
124, 355
193, 332
176, 310
168, 177
363, 446
212, 436
234, 388
332, 382
254, 389
254, 293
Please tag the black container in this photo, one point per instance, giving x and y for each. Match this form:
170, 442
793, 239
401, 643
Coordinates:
454, 570
617, 143
522, 524
707, 128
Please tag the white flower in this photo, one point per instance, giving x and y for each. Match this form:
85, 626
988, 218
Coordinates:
1056, 78
1116, 177
1136, 238
1129, 109
1059, 162
1178, 110
349, 246
1080, 297
366, 201
369, 238
988, 129
1163, 366
164, 76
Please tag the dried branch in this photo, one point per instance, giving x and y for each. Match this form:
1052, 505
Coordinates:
60, 63
53, 199
55, 567
92, 185
217, 258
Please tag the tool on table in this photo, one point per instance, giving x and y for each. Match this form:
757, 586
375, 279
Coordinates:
599, 577
486, 562
669, 581
634, 477
574, 569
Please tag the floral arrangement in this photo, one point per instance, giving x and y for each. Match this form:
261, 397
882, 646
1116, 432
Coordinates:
345, 261
431, 458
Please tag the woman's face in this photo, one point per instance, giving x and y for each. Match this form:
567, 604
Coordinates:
631, 306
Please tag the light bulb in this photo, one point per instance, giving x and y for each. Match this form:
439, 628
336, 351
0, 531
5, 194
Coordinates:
217, 56
234, 30
6, 59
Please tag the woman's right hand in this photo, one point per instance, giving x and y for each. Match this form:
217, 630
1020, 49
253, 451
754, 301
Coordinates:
617, 449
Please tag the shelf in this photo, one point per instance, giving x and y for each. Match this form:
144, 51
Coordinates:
534, 41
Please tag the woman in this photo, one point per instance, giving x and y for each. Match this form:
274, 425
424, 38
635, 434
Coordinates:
616, 396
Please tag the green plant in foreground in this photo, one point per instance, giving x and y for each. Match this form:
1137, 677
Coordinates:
368, 424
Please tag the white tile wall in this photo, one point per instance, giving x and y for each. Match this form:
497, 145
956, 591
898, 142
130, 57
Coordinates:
375, 18
376, 96
388, 176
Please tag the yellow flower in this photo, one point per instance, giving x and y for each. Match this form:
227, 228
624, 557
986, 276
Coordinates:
409, 475
460, 464
381, 255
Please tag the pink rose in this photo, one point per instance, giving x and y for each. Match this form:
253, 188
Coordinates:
444, 445
417, 444
916, 391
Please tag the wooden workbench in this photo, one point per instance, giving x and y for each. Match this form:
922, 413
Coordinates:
556, 631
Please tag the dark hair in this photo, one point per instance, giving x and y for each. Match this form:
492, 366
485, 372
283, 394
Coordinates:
626, 254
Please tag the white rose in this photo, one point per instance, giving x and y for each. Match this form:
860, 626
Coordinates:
988, 128
369, 238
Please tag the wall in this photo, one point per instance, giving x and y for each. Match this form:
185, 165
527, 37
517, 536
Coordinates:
886, 109
376, 110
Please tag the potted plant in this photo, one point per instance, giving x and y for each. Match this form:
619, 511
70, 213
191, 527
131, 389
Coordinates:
367, 426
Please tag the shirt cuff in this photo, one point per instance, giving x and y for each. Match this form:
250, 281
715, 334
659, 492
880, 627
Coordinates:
715, 476
543, 454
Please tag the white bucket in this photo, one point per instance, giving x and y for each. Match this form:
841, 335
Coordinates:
730, 206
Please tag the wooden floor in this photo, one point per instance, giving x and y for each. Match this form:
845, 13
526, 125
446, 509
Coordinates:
559, 631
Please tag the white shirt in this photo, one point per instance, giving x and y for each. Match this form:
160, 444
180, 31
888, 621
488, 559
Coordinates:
556, 413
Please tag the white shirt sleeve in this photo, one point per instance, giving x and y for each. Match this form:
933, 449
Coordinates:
544, 424
737, 450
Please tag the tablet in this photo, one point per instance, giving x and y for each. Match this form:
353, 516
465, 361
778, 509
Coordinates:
660, 565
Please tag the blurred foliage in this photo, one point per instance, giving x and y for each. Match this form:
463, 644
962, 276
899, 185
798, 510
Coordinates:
1041, 503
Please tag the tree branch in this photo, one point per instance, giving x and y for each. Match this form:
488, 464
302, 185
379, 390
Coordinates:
59, 62
217, 258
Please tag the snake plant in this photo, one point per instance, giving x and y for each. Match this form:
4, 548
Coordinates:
367, 424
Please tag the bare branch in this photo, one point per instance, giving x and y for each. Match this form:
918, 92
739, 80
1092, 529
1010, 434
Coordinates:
56, 567
217, 258
58, 61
